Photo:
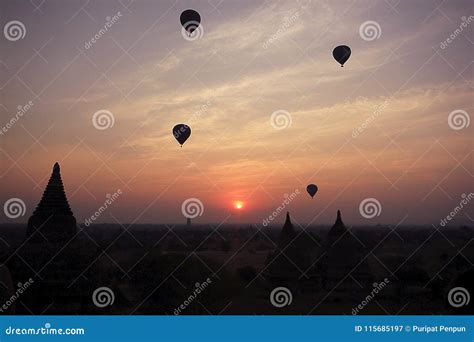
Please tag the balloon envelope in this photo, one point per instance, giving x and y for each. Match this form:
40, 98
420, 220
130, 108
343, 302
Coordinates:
181, 132
312, 189
341, 54
190, 20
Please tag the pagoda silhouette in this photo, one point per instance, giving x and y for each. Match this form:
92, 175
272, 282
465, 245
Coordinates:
344, 259
291, 261
53, 220
54, 254
303, 263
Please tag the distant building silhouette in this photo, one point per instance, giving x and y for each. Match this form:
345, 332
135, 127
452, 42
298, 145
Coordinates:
344, 256
338, 230
287, 233
304, 264
293, 255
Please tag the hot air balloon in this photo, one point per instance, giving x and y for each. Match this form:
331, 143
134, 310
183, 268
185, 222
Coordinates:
181, 132
312, 189
341, 54
190, 20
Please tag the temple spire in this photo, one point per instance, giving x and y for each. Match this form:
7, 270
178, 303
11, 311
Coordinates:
52, 220
337, 230
287, 233
54, 199
288, 219
338, 219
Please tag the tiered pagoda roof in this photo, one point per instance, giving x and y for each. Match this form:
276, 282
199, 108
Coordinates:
52, 221
54, 199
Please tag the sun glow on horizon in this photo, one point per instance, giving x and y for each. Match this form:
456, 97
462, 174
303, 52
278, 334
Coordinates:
239, 205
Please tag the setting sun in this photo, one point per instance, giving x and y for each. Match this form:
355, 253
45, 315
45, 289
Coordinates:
238, 205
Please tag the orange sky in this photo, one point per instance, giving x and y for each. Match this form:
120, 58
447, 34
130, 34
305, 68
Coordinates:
252, 60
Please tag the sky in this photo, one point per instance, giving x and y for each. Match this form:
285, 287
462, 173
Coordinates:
270, 110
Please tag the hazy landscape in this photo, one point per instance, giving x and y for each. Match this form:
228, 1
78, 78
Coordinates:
153, 269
